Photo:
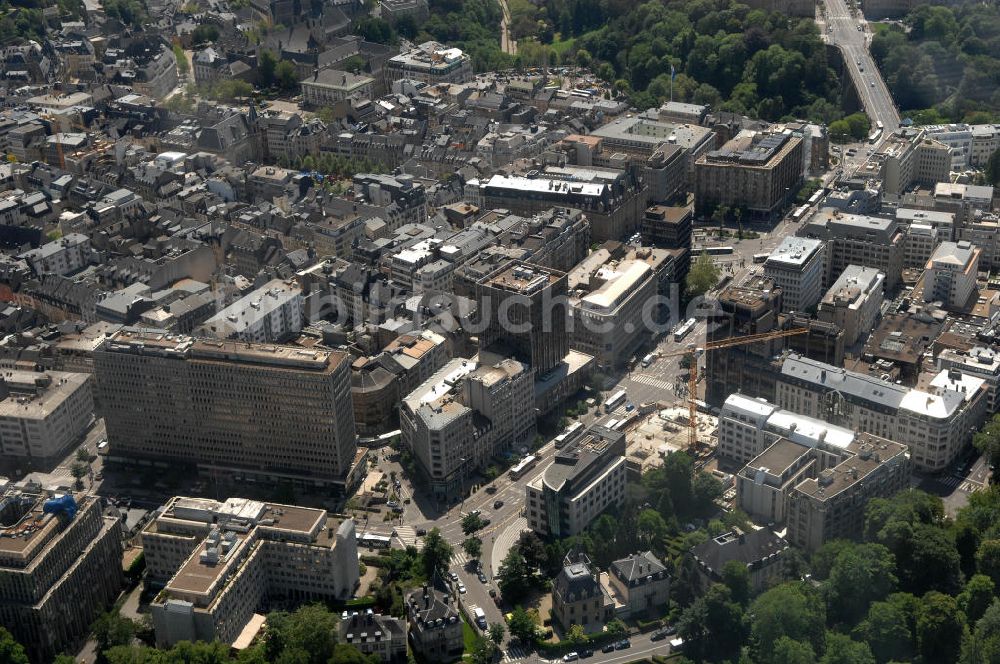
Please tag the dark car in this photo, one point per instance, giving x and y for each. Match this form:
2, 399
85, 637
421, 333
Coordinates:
623, 644
658, 635
608, 648
491, 489
421, 532
497, 504
584, 654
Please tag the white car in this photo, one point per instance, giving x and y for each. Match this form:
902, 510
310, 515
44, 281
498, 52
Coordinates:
461, 588
571, 656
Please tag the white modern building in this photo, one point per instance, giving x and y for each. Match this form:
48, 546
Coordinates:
796, 267
951, 272
853, 302
63, 256
43, 414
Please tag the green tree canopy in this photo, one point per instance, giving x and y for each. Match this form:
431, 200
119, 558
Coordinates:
702, 276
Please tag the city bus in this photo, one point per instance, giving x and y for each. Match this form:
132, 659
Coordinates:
616, 399
760, 258
718, 251
526, 464
684, 329
879, 125
799, 213
818, 194
567, 435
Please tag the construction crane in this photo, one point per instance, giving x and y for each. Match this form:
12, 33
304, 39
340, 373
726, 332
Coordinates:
717, 345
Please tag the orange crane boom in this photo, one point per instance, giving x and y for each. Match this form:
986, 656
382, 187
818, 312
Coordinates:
716, 345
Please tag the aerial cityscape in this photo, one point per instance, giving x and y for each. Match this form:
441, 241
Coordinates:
500, 332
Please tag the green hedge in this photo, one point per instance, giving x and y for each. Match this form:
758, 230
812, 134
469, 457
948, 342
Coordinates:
645, 626
373, 561
563, 647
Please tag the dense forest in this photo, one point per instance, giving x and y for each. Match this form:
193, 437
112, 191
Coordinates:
943, 63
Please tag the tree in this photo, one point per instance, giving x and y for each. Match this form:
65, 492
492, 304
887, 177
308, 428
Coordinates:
616, 628
436, 554
311, 630
576, 636
983, 647
483, 651
939, 628
790, 651
497, 633
988, 559
993, 177
841, 649
10, 650
702, 276
82, 455
861, 575
514, 577
736, 577
886, 630
62, 658
523, 625
203, 33
267, 64
714, 627
705, 490
533, 550
285, 76
793, 609
78, 471
183, 66
976, 597
473, 547
651, 529
472, 522
719, 216
111, 629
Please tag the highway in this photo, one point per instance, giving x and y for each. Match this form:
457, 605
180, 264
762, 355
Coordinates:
854, 43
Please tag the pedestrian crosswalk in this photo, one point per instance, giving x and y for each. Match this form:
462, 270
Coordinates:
459, 558
515, 653
652, 381
407, 535
961, 483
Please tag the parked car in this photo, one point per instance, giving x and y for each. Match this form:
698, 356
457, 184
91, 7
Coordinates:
421, 532
453, 576
623, 644
610, 647
571, 657
461, 588
493, 592
658, 635
482, 577
491, 489
584, 654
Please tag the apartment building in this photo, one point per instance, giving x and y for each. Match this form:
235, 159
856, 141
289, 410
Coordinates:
858, 240
429, 63
935, 424
329, 86
749, 426
586, 477
225, 560
578, 598
374, 634
435, 625
641, 582
761, 551
796, 266
42, 415
610, 305
756, 172
262, 413
60, 566
831, 505
269, 314
63, 256
951, 273
463, 415
853, 302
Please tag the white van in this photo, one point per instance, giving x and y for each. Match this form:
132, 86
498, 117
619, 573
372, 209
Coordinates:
480, 617
646, 361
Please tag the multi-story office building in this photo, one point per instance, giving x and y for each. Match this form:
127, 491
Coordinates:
831, 504
756, 172
262, 412
465, 414
374, 634
523, 306
328, 86
223, 561
858, 240
921, 241
63, 256
748, 426
981, 362
60, 566
578, 598
853, 302
271, 313
668, 227
908, 157
641, 582
796, 267
586, 477
435, 625
430, 63
935, 424
951, 273
609, 306
42, 415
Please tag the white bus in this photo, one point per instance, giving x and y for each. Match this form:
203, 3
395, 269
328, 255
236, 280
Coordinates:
567, 435
879, 125
799, 213
526, 464
684, 329
760, 258
616, 399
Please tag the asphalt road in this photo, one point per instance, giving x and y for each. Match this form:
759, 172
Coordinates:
854, 43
